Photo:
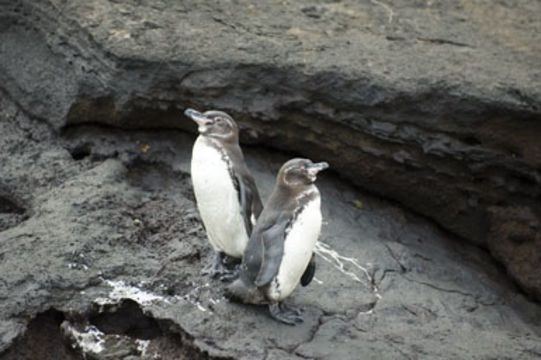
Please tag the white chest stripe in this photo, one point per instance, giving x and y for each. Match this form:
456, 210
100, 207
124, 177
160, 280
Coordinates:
298, 247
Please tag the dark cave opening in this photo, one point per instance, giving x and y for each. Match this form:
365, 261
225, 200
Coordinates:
127, 318
42, 340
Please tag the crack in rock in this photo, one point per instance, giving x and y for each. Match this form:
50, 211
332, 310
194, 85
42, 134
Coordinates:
403, 268
451, 291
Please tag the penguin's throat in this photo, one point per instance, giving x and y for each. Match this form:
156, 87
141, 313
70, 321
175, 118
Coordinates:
307, 194
203, 129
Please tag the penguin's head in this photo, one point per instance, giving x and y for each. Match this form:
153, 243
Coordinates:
216, 124
300, 172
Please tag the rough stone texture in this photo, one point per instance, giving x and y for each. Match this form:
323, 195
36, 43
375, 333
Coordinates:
434, 104
113, 246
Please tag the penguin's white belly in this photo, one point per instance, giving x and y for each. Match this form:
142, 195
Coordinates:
298, 247
217, 199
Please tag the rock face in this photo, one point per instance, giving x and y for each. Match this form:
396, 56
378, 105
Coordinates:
434, 105
106, 265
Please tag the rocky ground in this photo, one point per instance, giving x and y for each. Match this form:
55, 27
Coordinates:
102, 246
433, 106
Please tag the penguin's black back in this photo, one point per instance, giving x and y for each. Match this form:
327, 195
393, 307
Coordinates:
264, 250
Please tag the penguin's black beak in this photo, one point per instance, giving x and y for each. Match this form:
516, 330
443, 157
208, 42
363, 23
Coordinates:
313, 169
199, 118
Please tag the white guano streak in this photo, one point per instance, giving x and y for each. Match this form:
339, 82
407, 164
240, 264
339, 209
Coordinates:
341, 262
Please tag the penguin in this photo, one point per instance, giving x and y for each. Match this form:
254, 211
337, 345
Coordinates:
280, 253
225, 191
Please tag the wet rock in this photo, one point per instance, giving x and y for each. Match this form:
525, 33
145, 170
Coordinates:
433, 105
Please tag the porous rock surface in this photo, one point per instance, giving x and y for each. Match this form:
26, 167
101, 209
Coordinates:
434, 105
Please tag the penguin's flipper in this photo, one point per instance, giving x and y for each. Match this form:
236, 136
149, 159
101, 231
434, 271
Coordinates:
309, 272
243, 200
272, 240
257, 204
248, 197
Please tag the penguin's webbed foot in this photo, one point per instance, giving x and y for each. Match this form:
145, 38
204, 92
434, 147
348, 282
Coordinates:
228, 275
298, 310
217, 269
286, 314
